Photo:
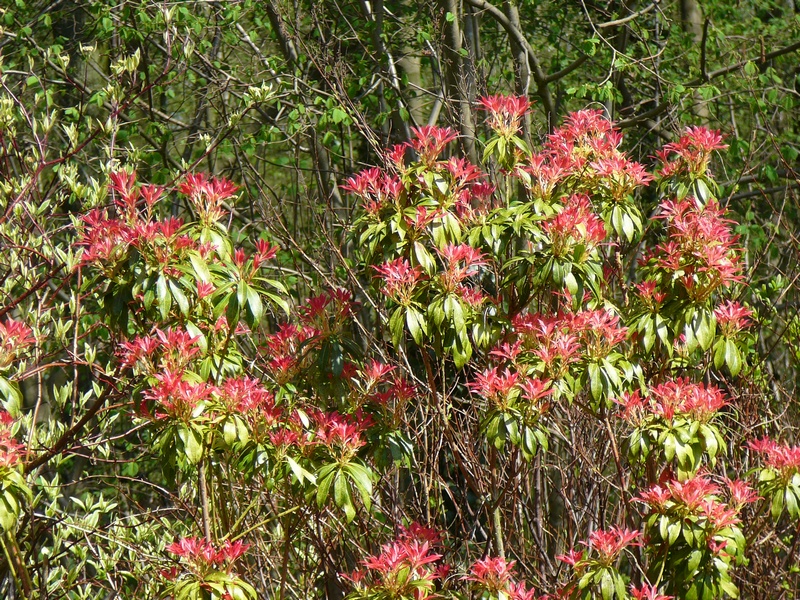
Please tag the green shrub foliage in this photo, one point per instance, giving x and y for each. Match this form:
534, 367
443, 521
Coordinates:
533, 376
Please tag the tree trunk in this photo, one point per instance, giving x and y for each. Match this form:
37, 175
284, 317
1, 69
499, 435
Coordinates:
455, 80
522, 70
692, 23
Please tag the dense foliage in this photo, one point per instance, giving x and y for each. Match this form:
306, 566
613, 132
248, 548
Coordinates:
522, 356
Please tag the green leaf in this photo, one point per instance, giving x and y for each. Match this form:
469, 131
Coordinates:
529, 443
791, 503
180, 297
771, 173
649, 339
342, 497
490, 146
663, 527
424, 258
233, 308
701, 191
595, 381
777, 505
256, 308
456, 314
611, 374
441, 184
396, 325
164, 297
194, 331
669, 446
694, 561
728, 586
689, 535
732, 358
192, 444
709, 441
362, 479
337, 358
11, 397
662, 329
9, 512
571, 283
280, 302
242, 291
619, 587
704, 327
616, 219
325, 477
200, 267
187, 590
229, 431
338, 115
673, 531
247, 589
720, 348
302, 474
685, 456
628, 227
607, 585
462, 351
416, 325
501, 147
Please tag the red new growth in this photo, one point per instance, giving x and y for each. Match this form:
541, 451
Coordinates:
610, 543
691, 154
732, 317
430, 141
203, 557
781, 457
11, 452
648, 592
15, 337
505, 112
492, 573
399, 279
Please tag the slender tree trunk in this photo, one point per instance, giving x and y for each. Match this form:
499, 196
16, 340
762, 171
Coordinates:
410, 66
455, 80
692, 23
522, 69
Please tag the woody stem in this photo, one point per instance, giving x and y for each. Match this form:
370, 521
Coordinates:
497, 525
201, 475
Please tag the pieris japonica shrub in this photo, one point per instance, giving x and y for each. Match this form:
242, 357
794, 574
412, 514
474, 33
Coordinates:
527, 385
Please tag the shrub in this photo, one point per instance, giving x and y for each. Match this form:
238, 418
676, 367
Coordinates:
524, 365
